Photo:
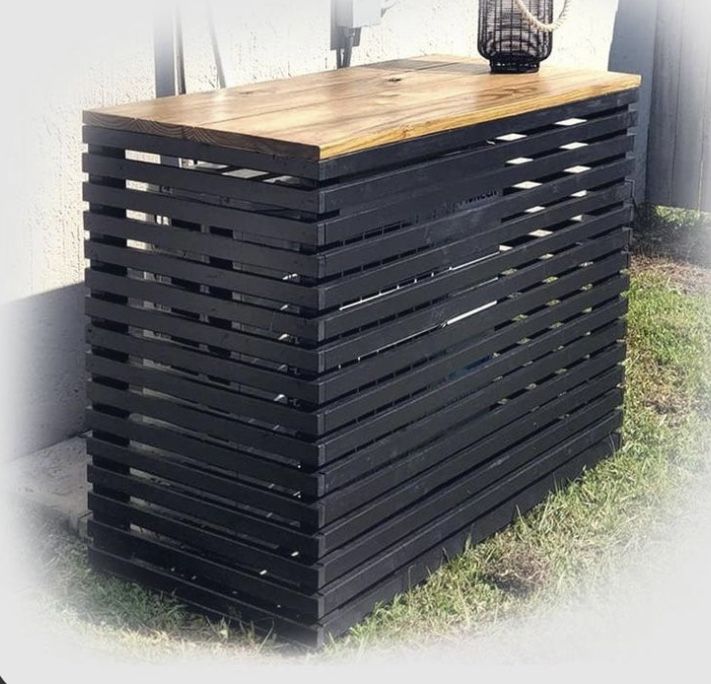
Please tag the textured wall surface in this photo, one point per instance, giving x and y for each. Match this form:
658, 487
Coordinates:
92, 54
77, 56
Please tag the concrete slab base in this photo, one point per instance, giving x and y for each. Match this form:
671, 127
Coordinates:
54, 480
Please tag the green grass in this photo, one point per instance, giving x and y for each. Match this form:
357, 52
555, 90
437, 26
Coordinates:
680, 234
579, 532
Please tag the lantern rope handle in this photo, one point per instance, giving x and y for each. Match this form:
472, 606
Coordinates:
535, 21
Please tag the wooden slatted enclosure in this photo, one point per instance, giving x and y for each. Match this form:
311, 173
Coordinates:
312, 380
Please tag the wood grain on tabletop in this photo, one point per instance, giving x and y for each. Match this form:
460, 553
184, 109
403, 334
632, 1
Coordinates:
322, 115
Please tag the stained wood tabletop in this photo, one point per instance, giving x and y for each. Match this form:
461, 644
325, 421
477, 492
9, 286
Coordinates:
326, 114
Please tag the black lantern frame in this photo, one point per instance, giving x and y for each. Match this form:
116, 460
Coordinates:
510, 42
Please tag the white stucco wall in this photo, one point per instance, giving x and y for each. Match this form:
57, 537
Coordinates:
63, 57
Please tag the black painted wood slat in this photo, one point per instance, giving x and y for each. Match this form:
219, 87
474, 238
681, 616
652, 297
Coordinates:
310, 381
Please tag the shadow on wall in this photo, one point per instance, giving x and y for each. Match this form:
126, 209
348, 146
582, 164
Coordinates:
45, 395
632, 51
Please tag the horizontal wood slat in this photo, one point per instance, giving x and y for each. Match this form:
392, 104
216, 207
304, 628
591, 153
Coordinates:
311, 376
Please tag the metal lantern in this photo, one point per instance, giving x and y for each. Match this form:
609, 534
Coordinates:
511, 38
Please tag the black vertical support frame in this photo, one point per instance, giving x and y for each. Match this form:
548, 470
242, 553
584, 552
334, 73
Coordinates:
98, 351
311, 382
